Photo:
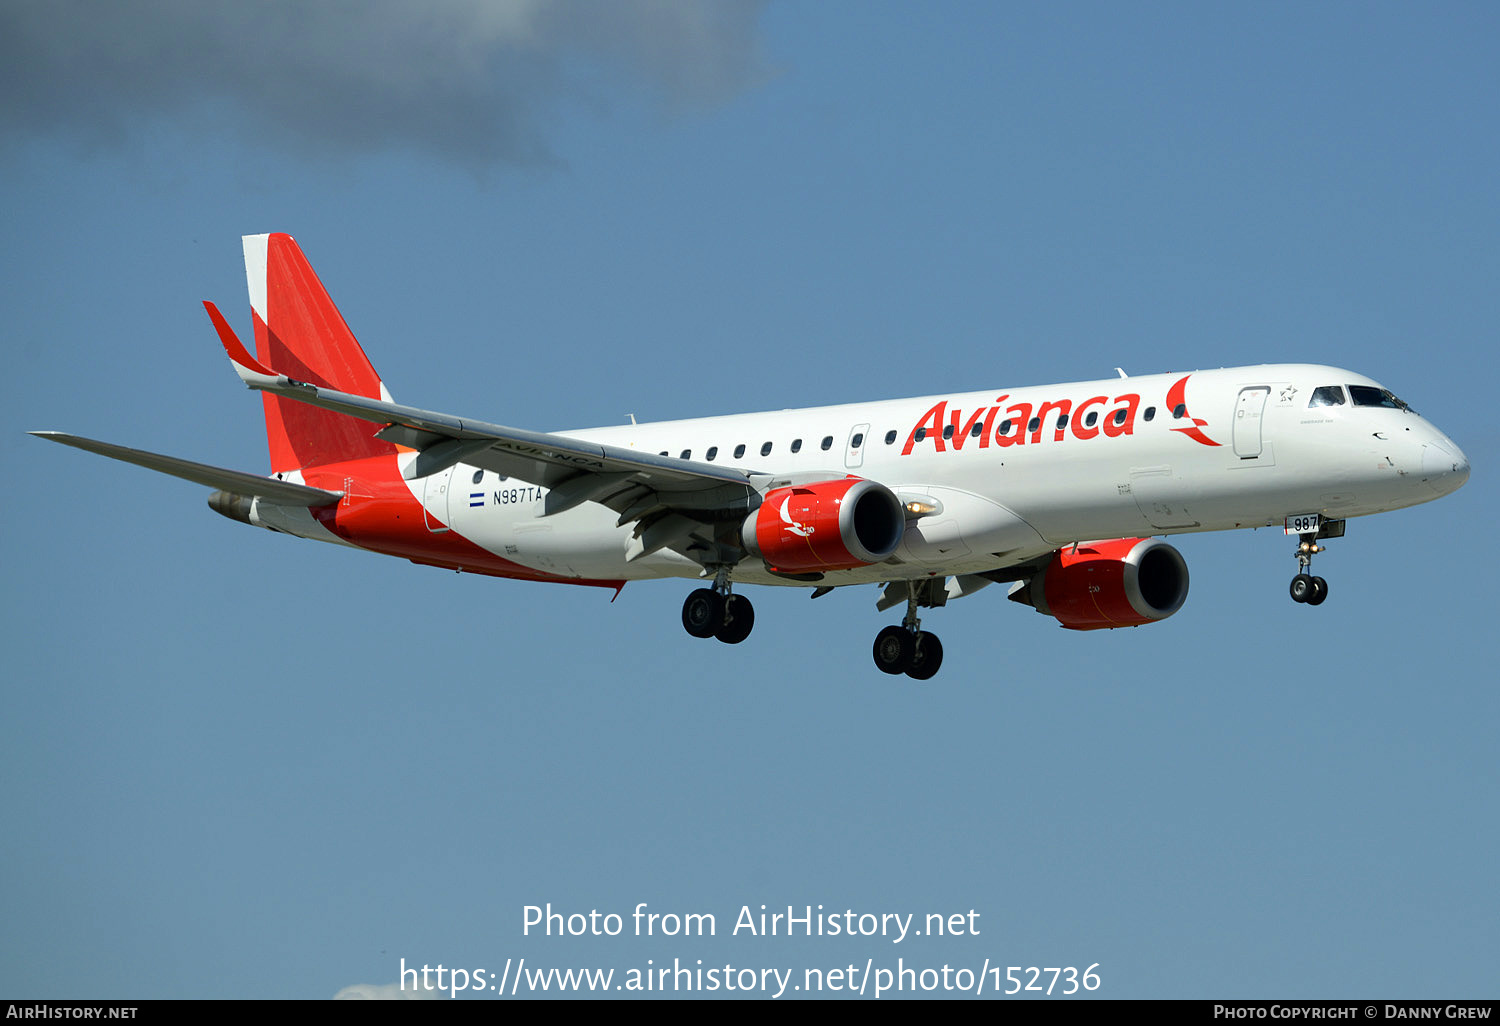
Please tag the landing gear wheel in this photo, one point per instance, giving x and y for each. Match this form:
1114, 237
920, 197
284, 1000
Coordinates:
739, 618
1305, 587
703, 613
926, 658
1302, 588
894, 648
1319, 592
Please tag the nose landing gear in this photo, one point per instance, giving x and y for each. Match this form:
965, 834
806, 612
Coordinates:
1305, 587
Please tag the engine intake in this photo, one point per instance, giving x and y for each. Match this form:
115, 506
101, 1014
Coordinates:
1122, 583
827, 525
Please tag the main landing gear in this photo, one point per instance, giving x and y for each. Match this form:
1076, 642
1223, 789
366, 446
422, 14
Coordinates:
1305, 587
907, 648
718, 613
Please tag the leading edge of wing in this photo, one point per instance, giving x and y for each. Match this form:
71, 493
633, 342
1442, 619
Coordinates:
559, 451
282, 493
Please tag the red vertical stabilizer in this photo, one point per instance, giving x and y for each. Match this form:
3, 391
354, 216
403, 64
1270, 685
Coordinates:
300, 333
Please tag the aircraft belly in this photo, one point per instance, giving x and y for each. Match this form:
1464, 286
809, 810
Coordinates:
581, 542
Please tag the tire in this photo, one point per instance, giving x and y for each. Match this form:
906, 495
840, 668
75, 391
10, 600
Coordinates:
1302, 587
703, 613
893, 650
1319, 592
739, 620
927, 657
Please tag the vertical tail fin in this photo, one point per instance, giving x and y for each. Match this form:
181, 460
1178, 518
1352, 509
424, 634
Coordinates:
300, 333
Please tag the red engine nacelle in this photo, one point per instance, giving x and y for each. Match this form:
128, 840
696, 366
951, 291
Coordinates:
827, 525
1122, 583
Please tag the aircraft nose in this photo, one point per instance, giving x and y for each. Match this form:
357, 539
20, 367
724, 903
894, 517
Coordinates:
1444, 466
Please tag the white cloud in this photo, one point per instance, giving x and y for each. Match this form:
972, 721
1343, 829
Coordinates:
477, 81
384, 992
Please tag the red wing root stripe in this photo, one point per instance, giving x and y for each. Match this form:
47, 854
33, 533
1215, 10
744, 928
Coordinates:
383, 516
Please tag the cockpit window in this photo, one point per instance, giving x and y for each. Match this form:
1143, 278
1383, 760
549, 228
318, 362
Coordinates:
1368, 395
1328, 395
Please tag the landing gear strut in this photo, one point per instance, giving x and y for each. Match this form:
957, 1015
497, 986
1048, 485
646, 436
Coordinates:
1305, 587
906, 648
718, 613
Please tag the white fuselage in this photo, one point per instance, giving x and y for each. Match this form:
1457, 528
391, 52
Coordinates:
1245, 449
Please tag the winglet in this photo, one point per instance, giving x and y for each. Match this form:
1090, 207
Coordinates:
251, 372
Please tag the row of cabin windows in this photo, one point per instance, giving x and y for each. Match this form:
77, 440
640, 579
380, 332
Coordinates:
1005, 428
1326, 395
765, 448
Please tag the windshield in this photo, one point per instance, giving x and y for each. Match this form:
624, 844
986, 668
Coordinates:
1368, 395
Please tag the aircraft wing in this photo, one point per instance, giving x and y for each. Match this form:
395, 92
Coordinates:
252, 485
573, 470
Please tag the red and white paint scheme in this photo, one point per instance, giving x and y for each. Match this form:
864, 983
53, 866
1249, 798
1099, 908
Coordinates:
1055, 490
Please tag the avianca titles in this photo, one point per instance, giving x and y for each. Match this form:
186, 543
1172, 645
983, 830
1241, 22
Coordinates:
1057, 491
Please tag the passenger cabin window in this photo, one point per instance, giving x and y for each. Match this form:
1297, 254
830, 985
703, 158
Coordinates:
1150, 414
687, 454
765, 450
1035, 424
1091, 419
739, 451
827, 443
1368, 395
977, 430
890, 438
1005, 427
1179, 411
857, 440
662, 453
796, 446
1328, 395
713, 450
948, 432
1062, 421
921, 434
478, 476
1119, 416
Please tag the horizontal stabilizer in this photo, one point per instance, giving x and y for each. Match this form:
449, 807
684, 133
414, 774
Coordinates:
282, 493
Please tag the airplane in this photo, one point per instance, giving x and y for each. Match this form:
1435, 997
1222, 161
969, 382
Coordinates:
1063, 492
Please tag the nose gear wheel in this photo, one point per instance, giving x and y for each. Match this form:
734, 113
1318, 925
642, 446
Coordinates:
1306, 588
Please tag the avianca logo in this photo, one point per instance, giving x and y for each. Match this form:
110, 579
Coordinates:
1025, 424
1058, 417
1177, 399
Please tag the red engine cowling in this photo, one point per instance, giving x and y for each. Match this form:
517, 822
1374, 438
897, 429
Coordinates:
1122, 583
827, 525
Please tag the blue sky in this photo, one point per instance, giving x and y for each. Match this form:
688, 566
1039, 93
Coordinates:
243, 765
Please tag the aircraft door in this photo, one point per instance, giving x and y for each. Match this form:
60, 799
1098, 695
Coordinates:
854, 454
1248, 412
435, 501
